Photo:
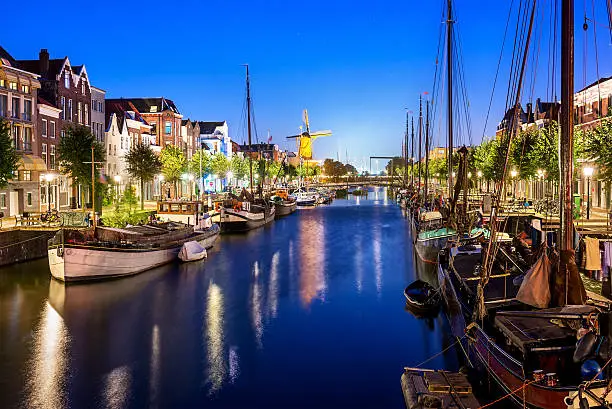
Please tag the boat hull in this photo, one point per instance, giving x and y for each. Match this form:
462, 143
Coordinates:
232, 221
284, 209
71, 263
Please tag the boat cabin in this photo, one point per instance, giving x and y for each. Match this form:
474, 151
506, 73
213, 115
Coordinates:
181, 211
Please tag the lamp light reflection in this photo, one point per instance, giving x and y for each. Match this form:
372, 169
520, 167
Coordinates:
217, 369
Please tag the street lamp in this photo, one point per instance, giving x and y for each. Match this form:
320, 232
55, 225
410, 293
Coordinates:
49, 177
513, 174
588, 172
479, 175
541, 173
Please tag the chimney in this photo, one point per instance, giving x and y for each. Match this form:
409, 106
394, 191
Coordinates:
43, 60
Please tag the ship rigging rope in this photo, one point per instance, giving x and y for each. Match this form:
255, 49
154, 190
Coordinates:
441, 352
526, 384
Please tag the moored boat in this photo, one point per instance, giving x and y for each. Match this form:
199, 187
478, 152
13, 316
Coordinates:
422, 298
283, 204
104, 252
428, 388
305, 198
192, 251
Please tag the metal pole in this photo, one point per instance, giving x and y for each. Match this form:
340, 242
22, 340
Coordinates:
567, 125
406, 153
588, 198
449, 69
93, 186
48, 195
426, 148
420, 138
249, 126
412, 156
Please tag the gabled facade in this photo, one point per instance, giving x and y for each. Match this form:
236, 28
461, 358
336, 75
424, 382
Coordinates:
593, 103
97, 113
163, 116
19, 107
190, 131
215, 135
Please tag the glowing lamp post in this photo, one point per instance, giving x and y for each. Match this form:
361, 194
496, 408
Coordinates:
117, 180
513, 174
49, 178
588, 172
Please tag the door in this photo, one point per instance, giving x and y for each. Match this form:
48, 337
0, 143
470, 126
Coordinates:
13, 203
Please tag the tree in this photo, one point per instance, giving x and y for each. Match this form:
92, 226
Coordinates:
173, 165
194, 164
239, 167
598, 148
9, 158
143, 164
219, 165
73, 153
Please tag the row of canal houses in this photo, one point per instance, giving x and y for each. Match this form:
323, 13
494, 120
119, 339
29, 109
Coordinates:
40, 98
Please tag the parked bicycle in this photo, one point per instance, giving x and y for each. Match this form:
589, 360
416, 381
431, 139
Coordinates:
50, 217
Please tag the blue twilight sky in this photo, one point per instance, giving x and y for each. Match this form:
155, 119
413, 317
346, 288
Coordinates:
355, 65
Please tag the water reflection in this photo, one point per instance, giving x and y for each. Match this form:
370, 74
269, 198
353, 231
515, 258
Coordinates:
48, 367
377, 258
256, 306
117, 388
154, 367
273, 286
312, 259
358, 263
214, 336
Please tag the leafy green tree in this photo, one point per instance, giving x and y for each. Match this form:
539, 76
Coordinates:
598, 148
129, 197
73, 153
194, 164
275, 170
143, 164
173, 165
239, 167
219, 165
9, 158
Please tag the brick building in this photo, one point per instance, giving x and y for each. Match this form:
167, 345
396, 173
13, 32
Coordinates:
98, 125
19, 108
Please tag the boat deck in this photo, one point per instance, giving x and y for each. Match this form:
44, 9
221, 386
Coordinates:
439, 389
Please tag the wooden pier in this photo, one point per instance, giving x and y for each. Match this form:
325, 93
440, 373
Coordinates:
428, 388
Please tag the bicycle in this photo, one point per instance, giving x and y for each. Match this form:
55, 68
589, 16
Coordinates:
50, 216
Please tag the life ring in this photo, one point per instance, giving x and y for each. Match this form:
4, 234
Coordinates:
217, 206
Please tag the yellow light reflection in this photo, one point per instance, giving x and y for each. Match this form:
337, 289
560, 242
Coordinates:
358, 263
117, 387
217, 369
48, 369
312, 260
256, 306
154, 367
273, 286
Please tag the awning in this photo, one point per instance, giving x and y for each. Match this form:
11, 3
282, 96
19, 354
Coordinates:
31, 162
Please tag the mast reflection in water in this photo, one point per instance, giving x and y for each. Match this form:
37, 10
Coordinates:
306, 312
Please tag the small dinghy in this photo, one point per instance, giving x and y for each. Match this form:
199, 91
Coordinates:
422, 298
192, 251
427, 388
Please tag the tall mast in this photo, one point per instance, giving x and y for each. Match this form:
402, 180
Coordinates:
567, 124
406, 152
449, 69
412, 155
420, 137
426, 148
248, 85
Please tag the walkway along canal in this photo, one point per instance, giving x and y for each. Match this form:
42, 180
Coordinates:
306, 312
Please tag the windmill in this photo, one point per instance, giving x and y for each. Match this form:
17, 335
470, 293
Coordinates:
306, 138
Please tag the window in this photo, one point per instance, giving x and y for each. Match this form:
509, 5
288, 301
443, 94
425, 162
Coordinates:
3, 105
44, 128
79, 112
43, 194
122, 142
3, 200
43, 153
52, 157
109, 149
17, 137
16, 108
2, 83
52, 129
86, 114
168, 127
30, 199
63, 113
100, 107
27, 110
83, 87
62, 133
26, 175
66, 79
13, 86
69, 110
93, 105
25, 89
27, 138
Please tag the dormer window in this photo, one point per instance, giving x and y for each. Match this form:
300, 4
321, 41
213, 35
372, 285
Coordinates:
153, 108
66, 79
83, 87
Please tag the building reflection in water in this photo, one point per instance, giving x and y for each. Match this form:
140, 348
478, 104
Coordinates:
154, 367
217, 368
377, 258
312, 259
234, 364
273, 286
256, 305
117, 388
48, 367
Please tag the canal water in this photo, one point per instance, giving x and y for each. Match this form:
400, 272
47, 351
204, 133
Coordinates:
305, 313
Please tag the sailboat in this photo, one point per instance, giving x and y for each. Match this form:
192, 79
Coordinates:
244, 212
529, 327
